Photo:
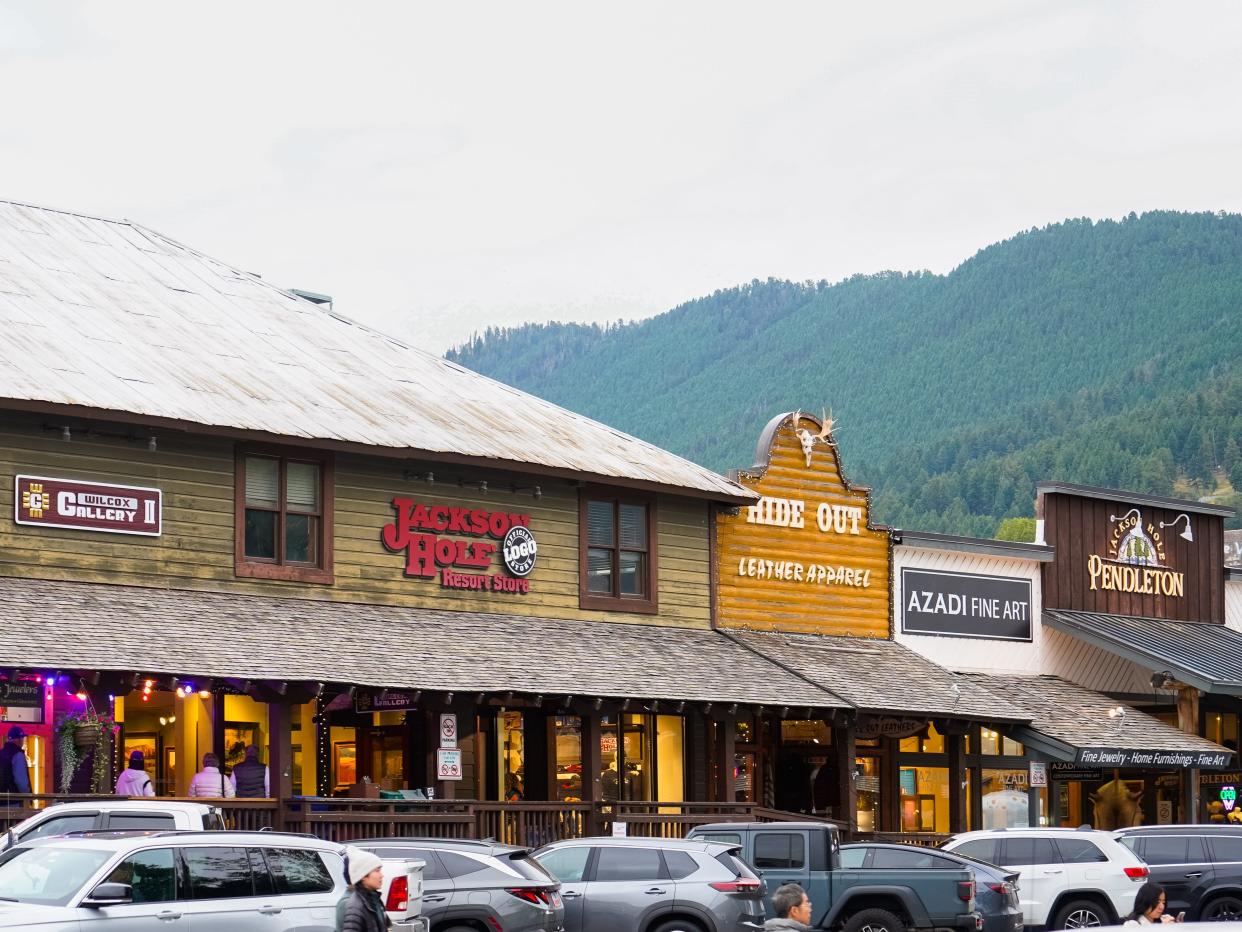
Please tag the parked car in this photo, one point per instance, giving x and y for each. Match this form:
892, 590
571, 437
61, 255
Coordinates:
240, 881
857, 900
1067, 878
1199, 866
468, 885
117, 814
654, 885
996, 889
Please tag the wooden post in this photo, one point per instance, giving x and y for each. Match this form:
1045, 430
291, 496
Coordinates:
280, 755
592, 788
217, 733
958, 776
1188, 721
726, 750
846, 747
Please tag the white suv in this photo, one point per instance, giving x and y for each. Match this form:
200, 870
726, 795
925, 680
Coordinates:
1068, 878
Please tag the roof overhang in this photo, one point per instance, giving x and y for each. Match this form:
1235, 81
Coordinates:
1016, 550
1197, 654
1118, 495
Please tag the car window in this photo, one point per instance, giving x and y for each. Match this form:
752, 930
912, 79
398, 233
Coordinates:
621, 864
151, 874
911, 859
298, 870
852, 858
458, 865
1077, 851
1225, 848
49, 875
60, 825
1028, 851
566, 864
779, 851
984, 849
262, 877
218, 873
679, 864
1163, 849
432, 869
145, 821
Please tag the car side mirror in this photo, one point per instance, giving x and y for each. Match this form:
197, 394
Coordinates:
109, 894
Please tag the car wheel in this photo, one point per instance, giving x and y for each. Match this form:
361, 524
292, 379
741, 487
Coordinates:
874, 920
677, 925
1222, 909
1080, 914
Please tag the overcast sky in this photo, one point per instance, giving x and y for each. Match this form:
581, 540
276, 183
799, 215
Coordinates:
442, 167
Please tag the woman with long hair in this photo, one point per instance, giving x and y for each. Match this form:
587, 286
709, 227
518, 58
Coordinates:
1148, 906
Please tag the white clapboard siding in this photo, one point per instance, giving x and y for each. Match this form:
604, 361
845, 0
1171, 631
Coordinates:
972, 654
1076, 660
1233, 604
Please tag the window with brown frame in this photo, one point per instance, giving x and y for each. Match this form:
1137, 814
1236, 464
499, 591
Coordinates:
283, 523
617, 552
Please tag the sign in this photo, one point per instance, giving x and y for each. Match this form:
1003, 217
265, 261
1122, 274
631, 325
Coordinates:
390, 700
888, 726
1070, 772
619, 829
1039, 773
965, 605
87, 506
448, 730
448, 764
805, 557
21, 694
1128, 757
1120, 555
443, 541
1164, 812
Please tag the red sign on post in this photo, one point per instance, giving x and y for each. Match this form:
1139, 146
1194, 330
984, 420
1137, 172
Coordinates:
87, 506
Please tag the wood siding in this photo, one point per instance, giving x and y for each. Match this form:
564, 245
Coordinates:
196, 475
1082, 529
767, 603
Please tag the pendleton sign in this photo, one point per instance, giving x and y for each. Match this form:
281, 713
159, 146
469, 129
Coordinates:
1119, 553
805, 557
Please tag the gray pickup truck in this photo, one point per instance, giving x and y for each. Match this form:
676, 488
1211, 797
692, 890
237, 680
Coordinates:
809, 854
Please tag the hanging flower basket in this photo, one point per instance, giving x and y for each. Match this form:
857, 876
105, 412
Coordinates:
87, 735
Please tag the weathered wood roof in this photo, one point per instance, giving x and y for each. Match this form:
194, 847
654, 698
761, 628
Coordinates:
113, 317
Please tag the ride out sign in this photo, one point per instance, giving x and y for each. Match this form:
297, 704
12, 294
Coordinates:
448, 542
87, 506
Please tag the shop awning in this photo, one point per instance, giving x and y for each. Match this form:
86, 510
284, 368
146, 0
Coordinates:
879, 677
86, 626
1071, 723
1206, 656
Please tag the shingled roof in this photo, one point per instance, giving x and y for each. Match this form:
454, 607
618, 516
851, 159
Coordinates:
114, 318
207, 634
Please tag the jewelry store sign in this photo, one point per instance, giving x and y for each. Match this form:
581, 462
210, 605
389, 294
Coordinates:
42, 501
965, 605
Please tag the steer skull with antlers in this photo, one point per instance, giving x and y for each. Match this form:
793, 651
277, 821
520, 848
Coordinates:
807, 439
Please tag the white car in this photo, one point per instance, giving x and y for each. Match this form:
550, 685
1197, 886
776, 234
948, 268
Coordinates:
1068, 878
149, 814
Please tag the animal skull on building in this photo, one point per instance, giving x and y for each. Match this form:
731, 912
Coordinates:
807, 439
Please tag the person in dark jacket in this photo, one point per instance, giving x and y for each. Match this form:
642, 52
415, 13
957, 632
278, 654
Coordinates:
250, 778
793, 909
14, 768
361, 909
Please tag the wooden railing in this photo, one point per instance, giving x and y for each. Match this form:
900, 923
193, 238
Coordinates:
919, 839
529, 824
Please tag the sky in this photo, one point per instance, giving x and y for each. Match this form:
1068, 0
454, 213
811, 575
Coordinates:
439, 168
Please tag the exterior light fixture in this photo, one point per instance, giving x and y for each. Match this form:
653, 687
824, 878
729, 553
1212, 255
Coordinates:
1188, 534
66, 434
1132, 511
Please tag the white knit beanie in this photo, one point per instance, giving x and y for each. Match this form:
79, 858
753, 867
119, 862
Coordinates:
360, 863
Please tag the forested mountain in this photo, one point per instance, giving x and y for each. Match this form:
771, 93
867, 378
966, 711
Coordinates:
1097, 352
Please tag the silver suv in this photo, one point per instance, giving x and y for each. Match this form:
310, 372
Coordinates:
176, 881
654, 885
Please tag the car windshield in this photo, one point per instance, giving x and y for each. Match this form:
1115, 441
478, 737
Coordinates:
49, 875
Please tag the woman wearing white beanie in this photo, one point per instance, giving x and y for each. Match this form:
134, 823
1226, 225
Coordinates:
361, 909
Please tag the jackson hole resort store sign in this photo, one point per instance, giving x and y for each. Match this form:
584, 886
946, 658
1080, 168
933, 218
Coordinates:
1136, 559
454, 544
965, 605
805, 556
87, 506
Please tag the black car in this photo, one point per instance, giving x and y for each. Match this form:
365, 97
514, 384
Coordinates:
996, 889
1199, 866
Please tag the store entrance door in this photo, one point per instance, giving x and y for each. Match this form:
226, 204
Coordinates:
384, 755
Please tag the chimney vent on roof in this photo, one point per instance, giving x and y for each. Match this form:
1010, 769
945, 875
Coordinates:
324, 300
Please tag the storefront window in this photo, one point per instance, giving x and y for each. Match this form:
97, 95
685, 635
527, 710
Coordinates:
932, 744
568, 730
744, 778
868, 789
993, 744
609, 759
512, 748
637, 752
805, 731
670, 754
1221, 727
924, 799
1004, 799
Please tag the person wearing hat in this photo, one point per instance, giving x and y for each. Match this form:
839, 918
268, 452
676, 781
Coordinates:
14, 768
361, 909
133, 780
